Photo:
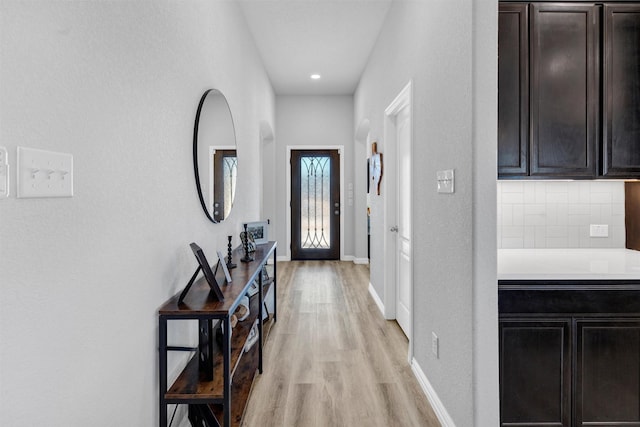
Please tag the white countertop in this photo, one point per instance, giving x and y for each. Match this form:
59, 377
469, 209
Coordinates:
568, 264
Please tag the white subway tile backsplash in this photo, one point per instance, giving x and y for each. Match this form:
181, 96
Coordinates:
511, 231
529, 192
507, 215
511, 186
529, 237
617, 209
512, 198
618, 194
558, 197
557, 187
557, 242
577, 220
512, 243
541, 192
601, 197
518, 215
545, 214
573, 237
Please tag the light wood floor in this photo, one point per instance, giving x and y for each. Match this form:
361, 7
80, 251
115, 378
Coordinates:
331, 359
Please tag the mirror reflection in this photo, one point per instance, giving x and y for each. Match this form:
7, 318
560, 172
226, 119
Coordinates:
214, 155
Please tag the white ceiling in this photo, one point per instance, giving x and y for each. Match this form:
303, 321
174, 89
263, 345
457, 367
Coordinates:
297, 38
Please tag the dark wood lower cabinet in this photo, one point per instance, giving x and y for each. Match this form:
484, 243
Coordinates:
535, 367
608, 373
569, 354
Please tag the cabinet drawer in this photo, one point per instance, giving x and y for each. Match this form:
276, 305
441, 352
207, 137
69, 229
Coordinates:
563, 301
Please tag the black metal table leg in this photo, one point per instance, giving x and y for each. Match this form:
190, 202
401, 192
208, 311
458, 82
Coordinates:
226, 354
260, 321
275, 285
162, 332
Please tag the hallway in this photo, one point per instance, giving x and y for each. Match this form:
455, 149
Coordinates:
331, 359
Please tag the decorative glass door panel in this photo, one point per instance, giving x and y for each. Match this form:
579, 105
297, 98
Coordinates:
315, 204
225, 170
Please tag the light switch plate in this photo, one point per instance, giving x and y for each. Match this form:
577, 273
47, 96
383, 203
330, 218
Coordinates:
44, 173
445, 181
4, 173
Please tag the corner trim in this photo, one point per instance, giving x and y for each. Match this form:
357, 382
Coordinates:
376, 298
437, 405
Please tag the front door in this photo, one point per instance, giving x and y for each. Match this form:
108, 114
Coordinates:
315, 204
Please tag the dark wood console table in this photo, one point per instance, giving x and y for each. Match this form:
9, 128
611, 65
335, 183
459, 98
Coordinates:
221, 400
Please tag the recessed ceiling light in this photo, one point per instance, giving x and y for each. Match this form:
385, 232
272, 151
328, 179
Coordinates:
315, 76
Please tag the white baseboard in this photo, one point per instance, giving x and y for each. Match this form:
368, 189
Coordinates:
361, 260
441, 412
283, 258
376, 298
347, 258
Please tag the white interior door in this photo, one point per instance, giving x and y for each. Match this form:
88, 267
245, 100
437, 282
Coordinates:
404, 275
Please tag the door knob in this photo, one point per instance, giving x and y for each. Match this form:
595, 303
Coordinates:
336, 212
394, 229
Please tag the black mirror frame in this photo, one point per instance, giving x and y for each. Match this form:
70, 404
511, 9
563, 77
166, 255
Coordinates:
195, 149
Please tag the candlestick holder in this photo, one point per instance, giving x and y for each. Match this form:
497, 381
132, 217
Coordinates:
244, 237
230, 263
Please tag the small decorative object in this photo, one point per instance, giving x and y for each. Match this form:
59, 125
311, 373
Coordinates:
227, 276
244, 238
259, 230
230, 264
376, 167
242, 311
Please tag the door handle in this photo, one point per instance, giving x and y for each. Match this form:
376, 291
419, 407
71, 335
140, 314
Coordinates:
394, 229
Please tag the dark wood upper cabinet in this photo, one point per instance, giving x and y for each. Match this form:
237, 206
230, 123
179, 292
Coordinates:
513, 92
564, 89
621, 90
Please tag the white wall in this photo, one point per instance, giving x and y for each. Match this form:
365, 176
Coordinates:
449, 50
557, 214
117, 85
313, 121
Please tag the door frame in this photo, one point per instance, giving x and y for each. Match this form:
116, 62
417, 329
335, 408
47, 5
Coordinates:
340, 149
402, 100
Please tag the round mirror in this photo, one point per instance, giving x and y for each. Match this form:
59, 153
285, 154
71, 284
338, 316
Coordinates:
215, 163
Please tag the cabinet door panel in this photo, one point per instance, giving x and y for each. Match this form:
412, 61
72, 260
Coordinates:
608, 373
535, 373
564, 90
621, 90
513, 89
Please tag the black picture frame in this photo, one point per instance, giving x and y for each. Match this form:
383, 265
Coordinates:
203, 265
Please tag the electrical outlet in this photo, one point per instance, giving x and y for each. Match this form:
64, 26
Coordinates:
44, 173
4, 173
599, 230
435, 346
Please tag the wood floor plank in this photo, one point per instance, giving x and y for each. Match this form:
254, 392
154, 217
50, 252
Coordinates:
331, 359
